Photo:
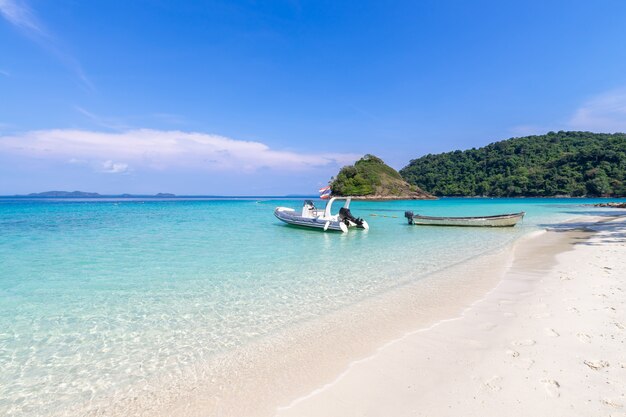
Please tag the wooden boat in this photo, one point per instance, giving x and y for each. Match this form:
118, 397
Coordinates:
312, 217
500, 220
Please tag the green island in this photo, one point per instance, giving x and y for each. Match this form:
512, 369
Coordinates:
371, 179
571, 164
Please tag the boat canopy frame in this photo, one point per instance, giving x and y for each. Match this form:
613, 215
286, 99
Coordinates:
329, 205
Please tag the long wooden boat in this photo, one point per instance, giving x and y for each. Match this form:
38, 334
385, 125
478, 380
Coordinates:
500, 220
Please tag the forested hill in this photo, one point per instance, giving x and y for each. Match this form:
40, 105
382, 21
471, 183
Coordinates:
563, 163
371, 178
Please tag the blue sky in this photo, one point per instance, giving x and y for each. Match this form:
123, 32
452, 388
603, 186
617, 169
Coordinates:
250, 97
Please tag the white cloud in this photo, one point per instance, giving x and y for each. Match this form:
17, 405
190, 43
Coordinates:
110, 167
19, 14
603, 113
155, 149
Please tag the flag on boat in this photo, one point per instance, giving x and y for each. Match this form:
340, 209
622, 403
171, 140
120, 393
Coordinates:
325, 192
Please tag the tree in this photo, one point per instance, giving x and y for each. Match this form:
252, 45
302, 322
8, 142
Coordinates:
558, 163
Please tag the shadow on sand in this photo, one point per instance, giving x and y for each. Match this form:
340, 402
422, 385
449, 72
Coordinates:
613, 228
597, 213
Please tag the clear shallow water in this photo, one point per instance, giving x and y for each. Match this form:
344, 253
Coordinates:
98, 295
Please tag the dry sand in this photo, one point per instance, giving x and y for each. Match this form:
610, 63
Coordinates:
549, 340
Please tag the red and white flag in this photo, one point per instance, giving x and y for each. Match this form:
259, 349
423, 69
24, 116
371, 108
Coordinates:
325, 192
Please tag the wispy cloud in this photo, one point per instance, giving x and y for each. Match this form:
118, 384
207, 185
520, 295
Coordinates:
106, 122
159, 150
132, 121
5, 73
20, 15
603, 113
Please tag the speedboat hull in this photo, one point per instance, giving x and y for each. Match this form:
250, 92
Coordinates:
290, 216
501, 220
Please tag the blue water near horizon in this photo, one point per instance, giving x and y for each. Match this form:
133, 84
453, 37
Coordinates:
100, 294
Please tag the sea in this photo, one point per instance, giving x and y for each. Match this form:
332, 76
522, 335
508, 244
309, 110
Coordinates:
98, 295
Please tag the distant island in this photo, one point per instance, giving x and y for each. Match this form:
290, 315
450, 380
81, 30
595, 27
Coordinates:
568, 164
371, 179
82, 194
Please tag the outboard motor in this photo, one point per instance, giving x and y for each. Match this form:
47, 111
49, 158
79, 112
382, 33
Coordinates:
346, 217
409, 215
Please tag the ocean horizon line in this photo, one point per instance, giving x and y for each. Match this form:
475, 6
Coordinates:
154, 196
314, 196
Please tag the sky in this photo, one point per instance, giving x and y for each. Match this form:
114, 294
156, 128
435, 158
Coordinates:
273, 97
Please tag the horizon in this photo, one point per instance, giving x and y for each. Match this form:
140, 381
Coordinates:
144, 195
225, 99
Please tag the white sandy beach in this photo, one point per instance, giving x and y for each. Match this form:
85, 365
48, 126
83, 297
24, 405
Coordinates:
549, 340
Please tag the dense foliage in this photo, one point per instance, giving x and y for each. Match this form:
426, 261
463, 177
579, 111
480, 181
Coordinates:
371, 176
562, 163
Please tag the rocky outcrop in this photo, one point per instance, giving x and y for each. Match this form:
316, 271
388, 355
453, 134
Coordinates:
611, 205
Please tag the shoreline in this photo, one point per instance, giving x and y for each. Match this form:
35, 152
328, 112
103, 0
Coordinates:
453, 367
276, 371
236, 383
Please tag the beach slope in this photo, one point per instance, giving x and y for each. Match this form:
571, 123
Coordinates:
549, 340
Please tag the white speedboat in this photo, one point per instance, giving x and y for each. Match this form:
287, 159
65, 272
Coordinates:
310, 216
500, 220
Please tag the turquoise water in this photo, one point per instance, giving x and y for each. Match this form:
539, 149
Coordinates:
97, 295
